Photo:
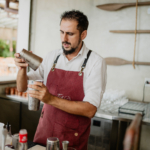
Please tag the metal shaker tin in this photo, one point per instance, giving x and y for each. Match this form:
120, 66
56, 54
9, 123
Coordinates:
65, 145
33, 103
33, 60
52, 143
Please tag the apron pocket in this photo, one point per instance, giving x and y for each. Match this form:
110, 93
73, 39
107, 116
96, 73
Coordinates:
64, 133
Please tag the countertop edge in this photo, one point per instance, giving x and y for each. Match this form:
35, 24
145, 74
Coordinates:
7, 82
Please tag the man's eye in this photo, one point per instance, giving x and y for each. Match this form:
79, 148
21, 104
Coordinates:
70, 34
61, 32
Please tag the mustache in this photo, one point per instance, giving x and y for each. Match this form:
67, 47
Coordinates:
66, 43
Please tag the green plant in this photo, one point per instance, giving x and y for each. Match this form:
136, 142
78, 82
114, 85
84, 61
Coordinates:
5, 49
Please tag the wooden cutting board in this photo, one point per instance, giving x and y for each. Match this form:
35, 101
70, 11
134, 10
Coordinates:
117, 6
118, 61
37, 147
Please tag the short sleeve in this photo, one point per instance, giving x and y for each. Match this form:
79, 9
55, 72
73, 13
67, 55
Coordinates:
96, 83
38, 74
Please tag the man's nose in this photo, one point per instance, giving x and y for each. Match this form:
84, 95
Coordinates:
65, 37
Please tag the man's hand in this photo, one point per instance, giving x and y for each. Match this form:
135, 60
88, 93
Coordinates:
73, 107
41, 92
20, 63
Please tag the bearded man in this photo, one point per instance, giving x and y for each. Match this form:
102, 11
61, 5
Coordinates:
74, 83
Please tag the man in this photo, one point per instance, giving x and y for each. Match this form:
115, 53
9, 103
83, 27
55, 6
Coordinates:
74, 83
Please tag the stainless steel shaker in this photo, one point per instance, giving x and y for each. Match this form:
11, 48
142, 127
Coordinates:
33, 103
65, 145
33, 60
52, 143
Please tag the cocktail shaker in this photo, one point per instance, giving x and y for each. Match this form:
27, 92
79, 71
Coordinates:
33, 60
33, 103
65, 145
52, 143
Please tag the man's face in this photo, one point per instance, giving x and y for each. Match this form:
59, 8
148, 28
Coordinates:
70, 36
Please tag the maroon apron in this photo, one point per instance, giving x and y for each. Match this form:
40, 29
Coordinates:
57, 123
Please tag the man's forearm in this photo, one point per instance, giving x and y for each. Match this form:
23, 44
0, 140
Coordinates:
22, 80
74, 107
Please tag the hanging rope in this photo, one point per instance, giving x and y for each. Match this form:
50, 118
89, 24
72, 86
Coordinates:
133, 63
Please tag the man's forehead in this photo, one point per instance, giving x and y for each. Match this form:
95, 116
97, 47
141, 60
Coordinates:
68, 24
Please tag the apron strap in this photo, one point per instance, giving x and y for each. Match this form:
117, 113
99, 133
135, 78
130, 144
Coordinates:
84, 63
55, 62
82, 67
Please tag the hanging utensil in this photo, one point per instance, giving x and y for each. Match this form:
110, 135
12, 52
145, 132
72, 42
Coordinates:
118, 61
117, 6
129, 31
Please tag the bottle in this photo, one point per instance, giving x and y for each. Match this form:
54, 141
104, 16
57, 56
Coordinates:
9, 135
23, 139
8, 126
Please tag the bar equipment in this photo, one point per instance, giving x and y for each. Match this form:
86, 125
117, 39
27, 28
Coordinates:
52, 143
65, 145
33, 60
33, 103
132, 108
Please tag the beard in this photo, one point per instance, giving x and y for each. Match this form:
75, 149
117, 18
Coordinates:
72, 49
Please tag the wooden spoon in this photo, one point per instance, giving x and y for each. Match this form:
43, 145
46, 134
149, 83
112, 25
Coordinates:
117, 6
118, 61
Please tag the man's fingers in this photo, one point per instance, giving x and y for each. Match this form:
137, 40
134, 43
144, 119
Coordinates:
38, 83
19, 60
33, 92
33, 86
21, 64
34, 96
17, 55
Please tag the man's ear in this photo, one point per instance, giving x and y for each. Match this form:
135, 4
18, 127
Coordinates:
83, 34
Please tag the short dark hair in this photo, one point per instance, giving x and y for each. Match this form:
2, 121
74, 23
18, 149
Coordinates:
79, 17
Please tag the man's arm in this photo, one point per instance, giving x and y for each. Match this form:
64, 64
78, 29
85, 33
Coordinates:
73, 107
22, 75
22, 80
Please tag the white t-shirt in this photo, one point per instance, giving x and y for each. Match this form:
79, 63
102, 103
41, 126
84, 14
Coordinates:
94, 80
